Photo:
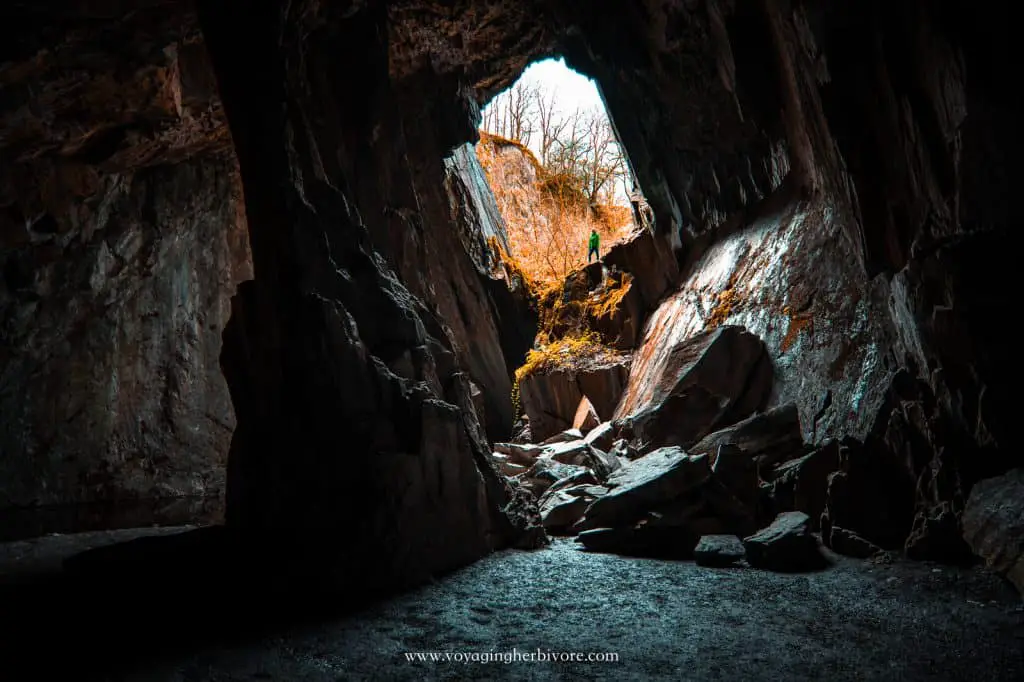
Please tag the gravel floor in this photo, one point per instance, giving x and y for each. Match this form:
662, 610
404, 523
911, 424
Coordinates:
663, 620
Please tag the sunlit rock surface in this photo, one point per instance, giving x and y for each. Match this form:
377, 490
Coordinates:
790, 279
473, 202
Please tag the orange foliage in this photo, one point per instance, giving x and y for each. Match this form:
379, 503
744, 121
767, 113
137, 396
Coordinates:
547, 216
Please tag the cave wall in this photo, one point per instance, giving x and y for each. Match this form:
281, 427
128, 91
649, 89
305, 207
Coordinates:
724, 108
896, 118
351, 356
121, 240
913, 112
354, 419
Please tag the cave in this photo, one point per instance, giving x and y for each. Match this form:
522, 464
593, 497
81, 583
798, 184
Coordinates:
261, 381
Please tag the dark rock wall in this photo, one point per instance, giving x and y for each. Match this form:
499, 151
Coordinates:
121, 240
914, 112
356, 433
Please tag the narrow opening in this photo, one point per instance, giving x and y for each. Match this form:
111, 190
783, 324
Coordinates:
558, 171
567, 195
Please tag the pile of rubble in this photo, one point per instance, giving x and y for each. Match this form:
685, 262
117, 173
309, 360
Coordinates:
701, 469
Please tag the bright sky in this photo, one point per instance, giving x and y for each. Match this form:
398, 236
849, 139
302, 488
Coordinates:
571, 91
574, 90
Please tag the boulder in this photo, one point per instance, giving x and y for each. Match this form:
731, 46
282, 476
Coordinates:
609, 463
848, 543
665, 542
733, 515
705, 383
511, 469
521, 431
622, 449
601, 436
551, 398
560, 509
734, 469
651, 261
719, 551
604, 383
871, 495
767, 438
580, 454
565, 436
586, 417
620, 323
936, 535
584, 477
802, 484
786, 545
520, 453
506, 467
591, 490
546, 472
993, 524
646, 483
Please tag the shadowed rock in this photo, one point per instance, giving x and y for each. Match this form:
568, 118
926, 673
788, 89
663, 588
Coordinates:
653, 480
802, 484
848, 543
993, 523
786, 545
767, 438
601, 436
719, 551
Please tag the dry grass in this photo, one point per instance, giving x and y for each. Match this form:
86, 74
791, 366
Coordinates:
573, 351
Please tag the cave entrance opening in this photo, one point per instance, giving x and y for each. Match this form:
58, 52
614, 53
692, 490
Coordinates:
558, 171
567, 195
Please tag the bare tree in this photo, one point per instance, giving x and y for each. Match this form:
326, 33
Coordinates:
550, 124
511, 113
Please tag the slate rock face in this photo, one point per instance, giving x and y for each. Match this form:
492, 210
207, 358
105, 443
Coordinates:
122, 238
551, 398
706, 382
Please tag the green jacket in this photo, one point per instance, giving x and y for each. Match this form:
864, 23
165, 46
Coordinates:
594, 240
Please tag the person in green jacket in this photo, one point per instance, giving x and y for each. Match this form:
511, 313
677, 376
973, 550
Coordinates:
595, 243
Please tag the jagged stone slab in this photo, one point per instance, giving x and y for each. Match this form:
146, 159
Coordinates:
734, 469
560, 510
802, 484
993, 523
520, 453
586, 417
719, 551
646, 483
767, 438
680, 393
786, 545
848, 543
566, 436
601, 436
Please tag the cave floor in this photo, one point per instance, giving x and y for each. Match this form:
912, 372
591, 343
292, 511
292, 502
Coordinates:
865, 620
